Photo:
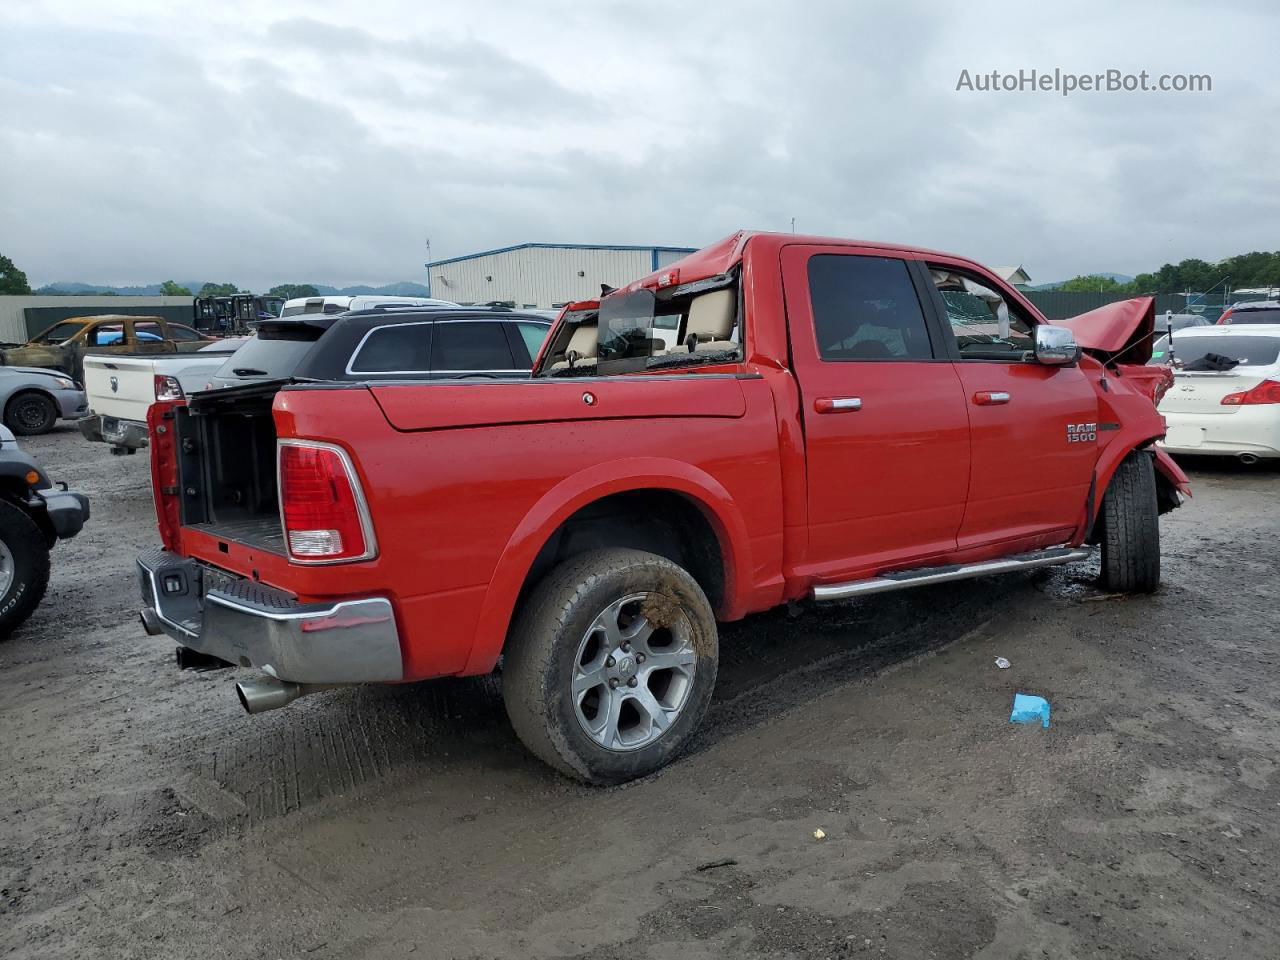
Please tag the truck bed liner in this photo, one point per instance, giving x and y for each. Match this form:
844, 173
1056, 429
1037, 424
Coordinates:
263, 532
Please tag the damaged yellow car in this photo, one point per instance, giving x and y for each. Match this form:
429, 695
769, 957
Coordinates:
63, 345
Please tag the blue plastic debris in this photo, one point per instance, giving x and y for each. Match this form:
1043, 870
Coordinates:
1030, 709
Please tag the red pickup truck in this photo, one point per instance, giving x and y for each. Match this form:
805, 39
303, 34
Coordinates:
774, 418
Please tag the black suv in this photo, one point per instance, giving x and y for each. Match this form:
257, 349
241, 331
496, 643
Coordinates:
389, 343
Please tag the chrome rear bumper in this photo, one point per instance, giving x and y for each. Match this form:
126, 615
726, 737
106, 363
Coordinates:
125, 434
253, 625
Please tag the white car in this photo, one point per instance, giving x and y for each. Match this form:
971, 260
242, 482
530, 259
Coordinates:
1225, 398
301, 305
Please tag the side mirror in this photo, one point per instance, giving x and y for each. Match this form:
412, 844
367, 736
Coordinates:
1056, 346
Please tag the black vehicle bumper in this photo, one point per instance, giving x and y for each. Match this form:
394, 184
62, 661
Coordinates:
67, 510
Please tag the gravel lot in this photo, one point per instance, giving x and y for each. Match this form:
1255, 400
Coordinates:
142, 814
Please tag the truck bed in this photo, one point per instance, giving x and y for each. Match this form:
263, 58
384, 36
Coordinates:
229, 460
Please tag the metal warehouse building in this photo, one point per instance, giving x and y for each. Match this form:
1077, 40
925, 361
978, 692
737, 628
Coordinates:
543, 275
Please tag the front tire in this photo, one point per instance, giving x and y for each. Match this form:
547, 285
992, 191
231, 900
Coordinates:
1131, 527
610, 665
24, 567
29, 414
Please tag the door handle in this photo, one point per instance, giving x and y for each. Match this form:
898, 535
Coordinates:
990, 398
837, 404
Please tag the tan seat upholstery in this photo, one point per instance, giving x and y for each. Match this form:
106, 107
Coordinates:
583, 345
711, 320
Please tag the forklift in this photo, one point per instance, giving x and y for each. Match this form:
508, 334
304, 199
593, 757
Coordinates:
231, 316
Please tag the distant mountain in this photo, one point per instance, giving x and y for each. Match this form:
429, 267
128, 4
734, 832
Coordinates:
405, 288
64, 288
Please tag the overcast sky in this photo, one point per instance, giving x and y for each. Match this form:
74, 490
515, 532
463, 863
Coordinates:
280, 141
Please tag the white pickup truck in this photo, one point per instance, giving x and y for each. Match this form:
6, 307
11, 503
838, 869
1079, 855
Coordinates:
121, 387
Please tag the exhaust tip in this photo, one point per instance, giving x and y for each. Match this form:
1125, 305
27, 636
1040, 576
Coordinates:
263, 694
1248, 459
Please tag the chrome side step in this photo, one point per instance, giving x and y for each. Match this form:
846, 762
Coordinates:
903, 579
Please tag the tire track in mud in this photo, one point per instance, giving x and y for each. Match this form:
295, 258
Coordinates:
342, 742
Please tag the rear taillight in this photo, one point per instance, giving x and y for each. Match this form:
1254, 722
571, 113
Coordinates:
168, 388
1268, 391
321, 506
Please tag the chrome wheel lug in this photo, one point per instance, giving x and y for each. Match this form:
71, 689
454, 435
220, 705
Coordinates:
639, 658
632, 682
626, 646
613, 683
610, 662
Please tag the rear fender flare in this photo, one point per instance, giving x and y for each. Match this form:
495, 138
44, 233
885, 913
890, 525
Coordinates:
581, 489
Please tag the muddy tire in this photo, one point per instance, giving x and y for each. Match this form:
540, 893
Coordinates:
24, 567
1131, 528
610, 665
30, 413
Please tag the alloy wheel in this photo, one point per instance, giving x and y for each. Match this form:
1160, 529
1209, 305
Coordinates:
633, 671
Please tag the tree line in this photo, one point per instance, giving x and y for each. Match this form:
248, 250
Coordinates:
286, 290
1256, 269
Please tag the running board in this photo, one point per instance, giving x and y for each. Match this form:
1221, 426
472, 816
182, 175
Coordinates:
902, 579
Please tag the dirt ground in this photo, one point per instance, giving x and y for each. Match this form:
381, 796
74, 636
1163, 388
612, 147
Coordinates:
143, 814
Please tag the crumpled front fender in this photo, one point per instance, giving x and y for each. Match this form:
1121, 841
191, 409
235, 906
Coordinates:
1117, 332
1169, 469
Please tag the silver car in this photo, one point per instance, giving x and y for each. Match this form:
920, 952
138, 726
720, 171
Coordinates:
32, 399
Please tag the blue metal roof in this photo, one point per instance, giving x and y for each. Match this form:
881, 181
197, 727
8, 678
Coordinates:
560, 246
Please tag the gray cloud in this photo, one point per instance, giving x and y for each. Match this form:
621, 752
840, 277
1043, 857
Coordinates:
330, 146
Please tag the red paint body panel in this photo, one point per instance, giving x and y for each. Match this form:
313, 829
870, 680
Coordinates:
466, 482
454, 573
164, 474
891, 476
1028, 477
475, 403
1166, 466
1124, 329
